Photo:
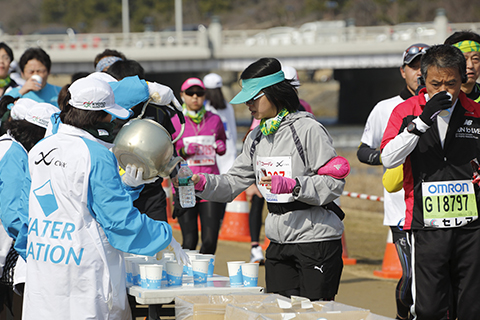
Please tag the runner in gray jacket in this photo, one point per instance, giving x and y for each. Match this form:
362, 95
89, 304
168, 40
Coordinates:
283, 156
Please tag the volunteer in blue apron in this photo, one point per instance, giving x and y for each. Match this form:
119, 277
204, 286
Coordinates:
81, 216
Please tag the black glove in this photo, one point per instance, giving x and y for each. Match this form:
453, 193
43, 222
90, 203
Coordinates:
438, 102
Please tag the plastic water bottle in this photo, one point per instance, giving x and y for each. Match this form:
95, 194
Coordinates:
186, 187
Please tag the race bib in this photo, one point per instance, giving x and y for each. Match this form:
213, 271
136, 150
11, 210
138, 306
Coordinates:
205, 155
271, 166
448, 204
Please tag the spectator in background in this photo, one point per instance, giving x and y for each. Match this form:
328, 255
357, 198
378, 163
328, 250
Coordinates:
216, 103
6, 58
105, 59
35, 64
469, 43
292, 74
369, 153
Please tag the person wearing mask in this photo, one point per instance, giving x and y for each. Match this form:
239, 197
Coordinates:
469, 43
35, 64
81, 216
285, 156
369, 153
435, 136
204, 137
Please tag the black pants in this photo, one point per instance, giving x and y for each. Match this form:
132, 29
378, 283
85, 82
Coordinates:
446, 267
311, 270
210, 215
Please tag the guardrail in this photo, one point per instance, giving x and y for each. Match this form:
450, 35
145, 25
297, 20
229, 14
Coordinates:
217, 43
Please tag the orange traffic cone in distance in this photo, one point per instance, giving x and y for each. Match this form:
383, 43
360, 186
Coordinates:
346, 259
235, 225
391, 267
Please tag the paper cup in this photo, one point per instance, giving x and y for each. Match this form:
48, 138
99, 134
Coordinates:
200, 271
250, 274
235, 273
211, 264
154, 273
174, 273
143, 276
192, 256
37, 78
128, 271
169, 256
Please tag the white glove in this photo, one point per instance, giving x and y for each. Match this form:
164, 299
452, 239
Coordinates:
182, 257
162, 95
134, 178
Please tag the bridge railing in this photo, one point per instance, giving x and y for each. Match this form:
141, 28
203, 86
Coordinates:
205, 44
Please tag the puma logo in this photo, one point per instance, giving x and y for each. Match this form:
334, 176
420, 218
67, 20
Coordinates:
319, 268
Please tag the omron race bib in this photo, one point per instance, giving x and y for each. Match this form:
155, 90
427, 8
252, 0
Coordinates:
448, 204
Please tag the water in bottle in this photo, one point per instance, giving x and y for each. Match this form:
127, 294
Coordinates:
186, 187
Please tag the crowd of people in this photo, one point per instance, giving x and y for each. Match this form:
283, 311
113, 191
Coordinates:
69, 212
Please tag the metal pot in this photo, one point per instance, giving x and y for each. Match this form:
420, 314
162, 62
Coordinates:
148, 145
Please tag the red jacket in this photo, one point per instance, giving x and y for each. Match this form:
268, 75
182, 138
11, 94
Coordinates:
429, 162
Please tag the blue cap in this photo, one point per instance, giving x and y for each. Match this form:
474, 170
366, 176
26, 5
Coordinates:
250, 87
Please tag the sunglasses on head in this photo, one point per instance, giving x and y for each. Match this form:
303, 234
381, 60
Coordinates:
199, 93
251, 101
413, 51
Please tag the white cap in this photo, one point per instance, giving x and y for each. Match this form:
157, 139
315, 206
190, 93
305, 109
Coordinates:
20, 108
212, 81
291, 74
95, 95
101, 76
40, 113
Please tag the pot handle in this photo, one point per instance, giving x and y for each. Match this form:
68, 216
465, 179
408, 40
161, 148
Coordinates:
181, 117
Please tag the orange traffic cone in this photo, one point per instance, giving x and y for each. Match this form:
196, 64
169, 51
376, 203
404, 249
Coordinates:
235, 226
391, 267
346, 259
265, 244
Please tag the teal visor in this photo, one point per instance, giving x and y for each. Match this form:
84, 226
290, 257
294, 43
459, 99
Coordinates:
250, 87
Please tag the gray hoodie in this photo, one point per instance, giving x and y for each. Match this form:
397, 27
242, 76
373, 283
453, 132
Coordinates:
298, 226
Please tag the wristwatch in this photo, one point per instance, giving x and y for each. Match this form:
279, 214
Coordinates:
296, 189
412, 128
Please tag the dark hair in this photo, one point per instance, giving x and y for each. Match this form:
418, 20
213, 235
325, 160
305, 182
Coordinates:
282, 94
126, 68
108, 53
216, 98
7, 49
78, 75
28, 134
63, 96
462, 36
444, 56
4, 102
35, 53
81, 118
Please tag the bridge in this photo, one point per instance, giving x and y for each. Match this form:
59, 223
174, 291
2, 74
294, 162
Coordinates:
316, 45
